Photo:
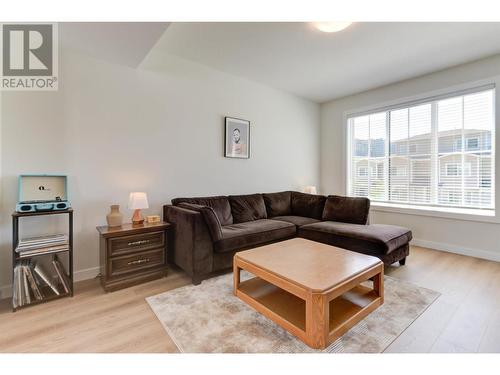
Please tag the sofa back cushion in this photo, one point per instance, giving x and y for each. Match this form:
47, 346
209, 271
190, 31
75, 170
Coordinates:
278, 204
220, 205
346, 209
247, 207
308, 205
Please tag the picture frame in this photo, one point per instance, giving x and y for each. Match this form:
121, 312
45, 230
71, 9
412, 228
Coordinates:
236, 138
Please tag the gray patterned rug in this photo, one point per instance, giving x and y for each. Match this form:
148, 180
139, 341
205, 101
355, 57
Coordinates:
209, 319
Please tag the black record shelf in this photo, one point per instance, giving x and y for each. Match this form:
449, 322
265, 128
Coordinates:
49, 295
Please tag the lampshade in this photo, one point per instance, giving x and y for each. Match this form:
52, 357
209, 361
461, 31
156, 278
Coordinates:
331, 27
137, 201
310, 189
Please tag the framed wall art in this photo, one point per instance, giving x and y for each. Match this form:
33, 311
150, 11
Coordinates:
236, 138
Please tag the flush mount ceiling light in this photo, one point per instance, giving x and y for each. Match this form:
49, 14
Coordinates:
331, 27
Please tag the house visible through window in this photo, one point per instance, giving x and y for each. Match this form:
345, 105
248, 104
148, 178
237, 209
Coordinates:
399, 171
434, 153
472, 143
468, 169
453, 169
362, 171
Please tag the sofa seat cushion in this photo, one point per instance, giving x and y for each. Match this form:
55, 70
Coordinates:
220, 205
243, 235
297, 220
278, 204
375, 239
247, 207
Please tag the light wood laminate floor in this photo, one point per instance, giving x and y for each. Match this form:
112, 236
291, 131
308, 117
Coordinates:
465, 318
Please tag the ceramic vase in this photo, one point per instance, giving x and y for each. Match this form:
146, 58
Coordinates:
115, 217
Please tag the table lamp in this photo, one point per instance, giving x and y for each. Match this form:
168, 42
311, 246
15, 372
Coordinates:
310, 189
136, 202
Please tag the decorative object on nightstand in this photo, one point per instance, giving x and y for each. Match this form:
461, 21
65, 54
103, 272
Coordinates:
153, 219
115, 217
137, 201
310, 190
132, 254
32, 283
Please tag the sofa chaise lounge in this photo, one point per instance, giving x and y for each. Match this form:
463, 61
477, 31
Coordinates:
208, 231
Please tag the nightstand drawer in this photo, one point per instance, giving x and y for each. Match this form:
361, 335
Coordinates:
136, 242
136, 262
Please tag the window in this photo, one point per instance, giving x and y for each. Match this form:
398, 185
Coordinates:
434, 153
399, 171
399, 193
472, 143
453, 169
450, 197
485, 182
362, 171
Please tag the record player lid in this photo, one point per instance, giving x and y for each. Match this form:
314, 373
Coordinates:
43, 188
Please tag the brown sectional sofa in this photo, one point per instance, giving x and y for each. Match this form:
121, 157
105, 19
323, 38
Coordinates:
208, 231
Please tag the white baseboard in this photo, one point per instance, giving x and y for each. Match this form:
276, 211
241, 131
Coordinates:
449, 248
80, 275
86, 274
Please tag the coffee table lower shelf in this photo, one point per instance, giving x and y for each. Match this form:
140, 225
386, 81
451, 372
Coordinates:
293, 309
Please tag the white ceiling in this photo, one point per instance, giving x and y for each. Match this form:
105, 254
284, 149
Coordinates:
125, 43
299, 59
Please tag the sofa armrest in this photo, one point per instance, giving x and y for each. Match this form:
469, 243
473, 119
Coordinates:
208, 213
193, 247
346, 209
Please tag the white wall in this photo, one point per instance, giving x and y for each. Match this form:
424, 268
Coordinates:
474, 238
159, 129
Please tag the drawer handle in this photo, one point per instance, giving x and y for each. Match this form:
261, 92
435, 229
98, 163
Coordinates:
140, 242
139, 261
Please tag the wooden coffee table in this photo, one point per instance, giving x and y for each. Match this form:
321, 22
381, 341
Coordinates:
310, 289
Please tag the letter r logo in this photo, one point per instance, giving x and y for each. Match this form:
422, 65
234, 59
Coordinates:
27, 50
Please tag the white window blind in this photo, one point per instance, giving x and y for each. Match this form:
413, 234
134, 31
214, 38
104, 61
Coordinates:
438, 152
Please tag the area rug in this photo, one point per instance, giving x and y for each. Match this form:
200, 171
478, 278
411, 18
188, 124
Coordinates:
208, 319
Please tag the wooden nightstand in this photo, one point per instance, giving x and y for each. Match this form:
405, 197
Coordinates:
132, 254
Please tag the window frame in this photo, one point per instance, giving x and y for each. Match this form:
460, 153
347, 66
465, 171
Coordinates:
462, 213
